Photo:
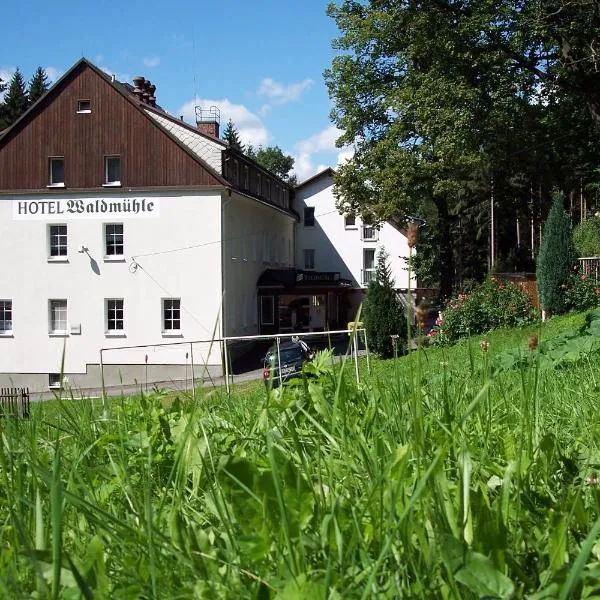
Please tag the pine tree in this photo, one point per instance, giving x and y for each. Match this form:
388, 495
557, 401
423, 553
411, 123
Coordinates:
15, 101
38, 85
556, 257
232, 136
383, 315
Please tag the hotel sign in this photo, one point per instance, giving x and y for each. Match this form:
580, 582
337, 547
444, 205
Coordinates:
85, 208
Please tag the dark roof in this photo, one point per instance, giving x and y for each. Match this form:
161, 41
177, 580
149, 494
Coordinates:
296, 278
328, 171
122, 89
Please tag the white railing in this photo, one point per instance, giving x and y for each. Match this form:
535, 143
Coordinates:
590, 266
369, 233
368, 275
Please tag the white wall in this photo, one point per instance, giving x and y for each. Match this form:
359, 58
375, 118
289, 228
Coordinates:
257, 237
29, 279
340, 249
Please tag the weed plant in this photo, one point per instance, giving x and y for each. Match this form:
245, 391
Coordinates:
439, 476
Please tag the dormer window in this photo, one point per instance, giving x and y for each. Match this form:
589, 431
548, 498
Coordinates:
84, 107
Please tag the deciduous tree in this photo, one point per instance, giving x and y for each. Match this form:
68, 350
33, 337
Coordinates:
273, 159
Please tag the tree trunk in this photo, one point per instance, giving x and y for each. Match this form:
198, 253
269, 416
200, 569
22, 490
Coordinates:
446, 249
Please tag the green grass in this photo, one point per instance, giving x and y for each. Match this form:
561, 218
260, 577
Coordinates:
436, 477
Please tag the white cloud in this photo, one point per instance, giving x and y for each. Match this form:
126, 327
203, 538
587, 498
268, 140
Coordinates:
249, 125
123, 77
6, 74
279, 93
152, 61
320, 142
53, 73
264, 110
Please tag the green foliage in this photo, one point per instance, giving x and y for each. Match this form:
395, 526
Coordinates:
440, 476
16, 99
382, 311
491, 305
273, 159
441, 100
581, 293
232, 136
38, 85
556, 257
586, 237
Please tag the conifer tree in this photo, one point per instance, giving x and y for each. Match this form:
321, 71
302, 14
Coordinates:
556, 257
38, 85
15, 101
383, 315
232, 136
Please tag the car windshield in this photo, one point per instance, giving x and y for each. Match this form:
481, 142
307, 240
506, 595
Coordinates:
288, 355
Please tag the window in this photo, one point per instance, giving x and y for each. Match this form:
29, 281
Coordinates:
84, 106
54, 380
309, 216
171, 311
114, 315
113, 235
368, 273
5, 317
369, 233
57, 171
58, 317
57, 241
246, 178
267, 310
112, 170
309, 258
350, 221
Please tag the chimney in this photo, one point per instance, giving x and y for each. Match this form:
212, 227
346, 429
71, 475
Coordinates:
208, 120
152, 98
138, 84
146, 91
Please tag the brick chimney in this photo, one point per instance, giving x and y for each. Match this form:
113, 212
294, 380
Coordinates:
208, 120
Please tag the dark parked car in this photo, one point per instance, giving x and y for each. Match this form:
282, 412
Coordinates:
292, 354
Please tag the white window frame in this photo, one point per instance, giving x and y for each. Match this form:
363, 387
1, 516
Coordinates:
372, 270
62, 305
309, 259
6, 308
262, 312
58, 257
119, 257
352, 225
81, 110
114, 331
173, 331
374, 229
51, 182
108, 182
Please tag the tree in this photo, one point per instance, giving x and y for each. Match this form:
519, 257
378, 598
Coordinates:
556, 257
382, 312
232, 136
449, 103
586, 237
38, 85
273, 159
15, 101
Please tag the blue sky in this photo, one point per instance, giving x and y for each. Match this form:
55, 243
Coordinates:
260, 61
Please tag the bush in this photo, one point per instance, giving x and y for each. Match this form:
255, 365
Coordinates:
586, 237
581, 293
491, 305
556, 257
382, 312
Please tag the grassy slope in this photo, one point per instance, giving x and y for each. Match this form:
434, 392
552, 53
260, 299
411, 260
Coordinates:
433, 479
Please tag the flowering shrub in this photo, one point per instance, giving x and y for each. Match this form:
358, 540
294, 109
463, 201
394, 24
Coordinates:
581, 293
488, 306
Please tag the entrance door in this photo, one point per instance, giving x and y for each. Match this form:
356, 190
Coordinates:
317, 312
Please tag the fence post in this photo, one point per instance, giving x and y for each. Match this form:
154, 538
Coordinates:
193, 376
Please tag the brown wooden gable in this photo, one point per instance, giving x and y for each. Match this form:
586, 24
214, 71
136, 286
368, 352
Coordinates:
150, 157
